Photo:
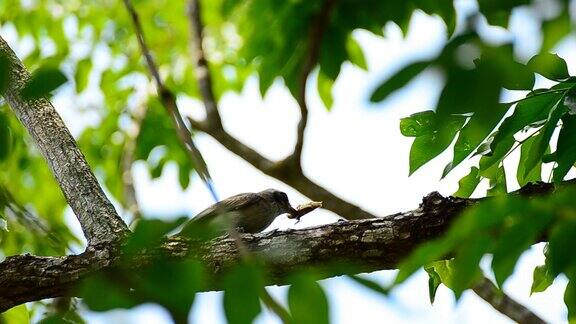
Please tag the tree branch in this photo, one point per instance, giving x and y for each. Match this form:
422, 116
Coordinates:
98, 218
168, 100
364, 245
284, 172
314, 43
505, 304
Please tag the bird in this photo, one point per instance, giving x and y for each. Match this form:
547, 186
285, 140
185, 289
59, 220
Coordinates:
246, 212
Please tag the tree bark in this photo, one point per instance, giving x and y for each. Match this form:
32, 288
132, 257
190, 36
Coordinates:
356, 246
98, 218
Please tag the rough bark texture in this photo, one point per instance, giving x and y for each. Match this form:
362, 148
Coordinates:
98, 218
366, 245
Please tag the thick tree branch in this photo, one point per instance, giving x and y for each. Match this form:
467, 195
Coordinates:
314, 44
364, 245
99, 221
168, 100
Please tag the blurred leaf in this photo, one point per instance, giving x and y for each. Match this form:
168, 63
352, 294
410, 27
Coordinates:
565, 149
570, 300
550, 66
418, 124
370, 284
242, 287
16, 315
561, 247
82, 74
325, 89
355, 53
43, 81
307, 301
555, 29
466, 263
468, 184
149, 233
516, 239
542, 279
398, 80
424, 254
498, 11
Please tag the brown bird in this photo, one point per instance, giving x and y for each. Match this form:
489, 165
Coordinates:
247, 212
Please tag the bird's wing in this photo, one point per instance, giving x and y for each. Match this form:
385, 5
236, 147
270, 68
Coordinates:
231, 204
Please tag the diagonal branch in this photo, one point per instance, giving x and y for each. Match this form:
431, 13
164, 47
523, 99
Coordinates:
286, 170
98, 218
168, 100
504, 303
314, 44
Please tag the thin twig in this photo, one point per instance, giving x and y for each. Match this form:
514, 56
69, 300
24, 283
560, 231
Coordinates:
126, 161
168, 100
501, 302
314, 44
201, 68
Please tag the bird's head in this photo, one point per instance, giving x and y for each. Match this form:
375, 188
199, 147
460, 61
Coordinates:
279, 200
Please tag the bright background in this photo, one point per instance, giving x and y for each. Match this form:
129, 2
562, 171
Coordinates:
356, 151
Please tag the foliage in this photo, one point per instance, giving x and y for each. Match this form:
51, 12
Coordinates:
270, 39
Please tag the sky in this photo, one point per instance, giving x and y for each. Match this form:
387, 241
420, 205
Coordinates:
356, 151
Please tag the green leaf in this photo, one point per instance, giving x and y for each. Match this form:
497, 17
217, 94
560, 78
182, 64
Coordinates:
498, 12
536, 173
355, 54
434, 282
566, 149
515, 240
418, 124
427, 147
475, 131
370, 284
398, 80
570, 299
465, 264
550, 66
324, 85
43, 81
561, 247
555, 29
542, 279
16, 315
82, 74
530, 110
468, 184
490, 163
242, 287
542, 140
307, 301
424, 254
497, 183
